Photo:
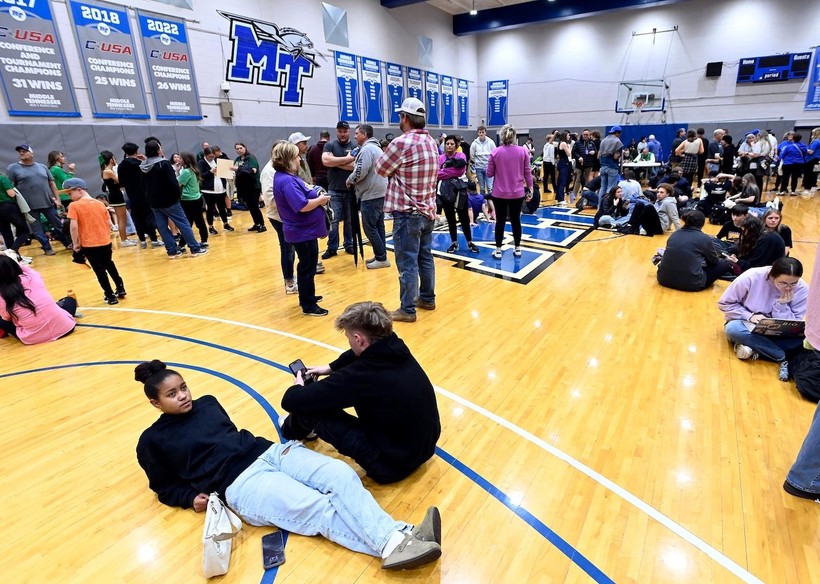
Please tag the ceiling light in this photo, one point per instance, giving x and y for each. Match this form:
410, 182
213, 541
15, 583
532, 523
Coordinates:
473, 12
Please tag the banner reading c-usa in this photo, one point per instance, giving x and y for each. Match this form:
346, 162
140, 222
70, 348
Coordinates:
372, 85
347, 87
395, 89
497, 102
463, 103
813, 94
170, 69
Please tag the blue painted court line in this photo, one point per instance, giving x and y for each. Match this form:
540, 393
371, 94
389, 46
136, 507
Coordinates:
562, 545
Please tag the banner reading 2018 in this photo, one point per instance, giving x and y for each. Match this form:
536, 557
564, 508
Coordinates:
109, 60
170, 69
33, 72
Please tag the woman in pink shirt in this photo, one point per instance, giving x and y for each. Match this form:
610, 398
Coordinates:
27, 310
510, 166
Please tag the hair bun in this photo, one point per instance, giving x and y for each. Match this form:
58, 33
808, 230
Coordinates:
145, 370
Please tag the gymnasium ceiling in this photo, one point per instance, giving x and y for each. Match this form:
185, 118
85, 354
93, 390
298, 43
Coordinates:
506, 14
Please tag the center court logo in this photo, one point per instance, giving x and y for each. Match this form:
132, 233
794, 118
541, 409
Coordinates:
266, 54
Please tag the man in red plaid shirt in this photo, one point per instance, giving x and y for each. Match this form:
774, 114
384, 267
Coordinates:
411, 165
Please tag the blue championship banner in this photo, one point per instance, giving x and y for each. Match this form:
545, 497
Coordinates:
497, 102
32, 68
170, 69
372, 85
813, 94
106, 48
432, 98
395, 89
463, 103
415, 87
347, 87
446, 100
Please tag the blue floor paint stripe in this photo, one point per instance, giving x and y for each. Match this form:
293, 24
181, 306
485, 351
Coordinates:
562, 545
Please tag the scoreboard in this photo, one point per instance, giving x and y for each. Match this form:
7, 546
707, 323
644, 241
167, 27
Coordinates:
774, 68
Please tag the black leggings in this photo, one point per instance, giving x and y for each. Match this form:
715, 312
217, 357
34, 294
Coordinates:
143, 218
102, 263
463, 218
501, 207
216, 204
193, 212
791, 172
10, 215
251, 201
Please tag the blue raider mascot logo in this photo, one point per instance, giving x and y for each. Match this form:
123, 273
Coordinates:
265, 54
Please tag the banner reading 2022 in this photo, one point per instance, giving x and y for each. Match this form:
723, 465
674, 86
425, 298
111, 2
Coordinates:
109, 60
32, 68
170, 69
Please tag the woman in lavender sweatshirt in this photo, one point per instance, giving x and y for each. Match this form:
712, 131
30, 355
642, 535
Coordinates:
767, 292
510, 166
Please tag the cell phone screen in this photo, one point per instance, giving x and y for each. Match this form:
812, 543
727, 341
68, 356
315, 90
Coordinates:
297, 366
273, 550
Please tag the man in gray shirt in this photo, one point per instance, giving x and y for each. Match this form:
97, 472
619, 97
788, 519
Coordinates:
35, 183
370, 188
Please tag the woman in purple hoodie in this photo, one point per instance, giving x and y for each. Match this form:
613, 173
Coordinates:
510, 166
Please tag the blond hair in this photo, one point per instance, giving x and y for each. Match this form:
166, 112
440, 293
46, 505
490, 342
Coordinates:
369, 318
282, 155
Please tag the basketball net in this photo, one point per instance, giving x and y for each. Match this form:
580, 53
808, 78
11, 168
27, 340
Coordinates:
637, 104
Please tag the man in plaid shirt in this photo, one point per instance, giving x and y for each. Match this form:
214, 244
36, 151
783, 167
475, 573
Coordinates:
411, 165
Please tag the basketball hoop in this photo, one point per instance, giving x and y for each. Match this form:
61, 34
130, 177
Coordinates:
638, 104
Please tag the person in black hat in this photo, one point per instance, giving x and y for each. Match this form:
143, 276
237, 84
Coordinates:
339, 162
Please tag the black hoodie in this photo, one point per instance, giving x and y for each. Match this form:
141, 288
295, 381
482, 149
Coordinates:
161, 185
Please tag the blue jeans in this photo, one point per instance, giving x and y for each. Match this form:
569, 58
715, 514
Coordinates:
340, 203
373, 225
308, 493
287, 255
609, 179
412, 244
564, 173
805, 472
485, 183
53, 218
771, 348
177, 215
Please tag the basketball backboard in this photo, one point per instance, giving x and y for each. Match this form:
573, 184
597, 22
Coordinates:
648, 95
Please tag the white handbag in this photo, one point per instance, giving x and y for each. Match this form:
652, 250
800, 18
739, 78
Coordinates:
221, 525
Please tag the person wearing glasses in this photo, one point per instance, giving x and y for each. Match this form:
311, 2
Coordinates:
768, 292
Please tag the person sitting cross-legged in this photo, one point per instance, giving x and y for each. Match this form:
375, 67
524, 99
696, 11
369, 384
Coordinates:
397, 423
690, 261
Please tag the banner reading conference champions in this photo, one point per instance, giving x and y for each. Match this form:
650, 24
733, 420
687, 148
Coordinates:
109, 59
32, 68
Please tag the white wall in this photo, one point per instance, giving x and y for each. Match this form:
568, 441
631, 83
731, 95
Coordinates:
565, 74
373, 31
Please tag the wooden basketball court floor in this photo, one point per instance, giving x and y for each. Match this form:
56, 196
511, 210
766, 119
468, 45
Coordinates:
596, 427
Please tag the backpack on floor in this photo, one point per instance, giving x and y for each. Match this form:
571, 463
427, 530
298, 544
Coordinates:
804, 367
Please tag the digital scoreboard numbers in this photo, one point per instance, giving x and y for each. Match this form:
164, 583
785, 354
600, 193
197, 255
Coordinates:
774, 68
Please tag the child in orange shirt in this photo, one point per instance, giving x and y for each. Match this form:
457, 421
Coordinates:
91, 233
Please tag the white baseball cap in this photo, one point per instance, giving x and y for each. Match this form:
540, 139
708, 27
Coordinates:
297, 137
413, 106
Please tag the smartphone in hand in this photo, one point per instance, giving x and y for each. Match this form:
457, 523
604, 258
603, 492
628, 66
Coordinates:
298, 366
273, 550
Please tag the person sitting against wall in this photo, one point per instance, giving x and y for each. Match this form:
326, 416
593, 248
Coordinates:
690, 262
27, 310
194, 449
757, 247
765, 292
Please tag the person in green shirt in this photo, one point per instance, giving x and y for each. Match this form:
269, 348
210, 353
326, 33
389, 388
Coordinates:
56, 162
191, 198
10, 215
248, 187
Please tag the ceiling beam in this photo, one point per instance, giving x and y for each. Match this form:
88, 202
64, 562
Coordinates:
527, 13
399, 3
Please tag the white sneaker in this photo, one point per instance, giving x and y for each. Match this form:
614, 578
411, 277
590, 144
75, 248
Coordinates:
128, 243
497, 254
377, 264
743, 352
294, 289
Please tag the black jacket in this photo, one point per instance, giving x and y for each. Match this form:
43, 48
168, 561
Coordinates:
198, 452
132, 180
687, 251
392, 396
161, 185
769, 247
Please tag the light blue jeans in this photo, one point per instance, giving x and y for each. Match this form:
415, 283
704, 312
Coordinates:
177, 215
373, 226
296, 489
609, 179
805, 472
412, 244
485, 183
771, 348
340, 203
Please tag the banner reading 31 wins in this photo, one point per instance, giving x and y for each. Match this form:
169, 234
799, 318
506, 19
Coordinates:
109, 61
170, 69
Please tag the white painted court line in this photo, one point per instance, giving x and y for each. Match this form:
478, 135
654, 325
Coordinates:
678, 530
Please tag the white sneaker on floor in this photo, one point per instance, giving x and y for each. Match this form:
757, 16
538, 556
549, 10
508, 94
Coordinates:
294, 289
743, 352
377, 264
128, 243
783, 373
